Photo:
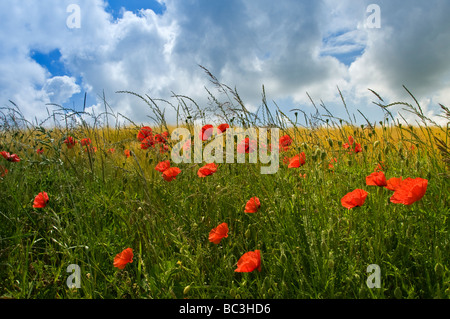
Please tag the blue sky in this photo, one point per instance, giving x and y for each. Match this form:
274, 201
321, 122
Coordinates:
292, 47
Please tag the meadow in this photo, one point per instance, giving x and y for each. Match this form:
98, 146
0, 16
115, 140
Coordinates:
105, 196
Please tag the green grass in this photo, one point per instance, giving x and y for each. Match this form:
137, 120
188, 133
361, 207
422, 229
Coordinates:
311, 246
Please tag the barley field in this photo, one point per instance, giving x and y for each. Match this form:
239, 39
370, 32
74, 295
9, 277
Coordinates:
353, 211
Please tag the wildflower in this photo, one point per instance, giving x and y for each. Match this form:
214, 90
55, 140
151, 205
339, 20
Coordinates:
40, 151
252, 205
207, 131
171, 173
222, 128
216, 234
127, 153
70, 142
246, 146
330, 164
297, 160
123, 258
376, 179
380, 167
147, 142
354, 198
207, 170
144, 132
393, 183
162, 166
10, 157
356, 147
249, 262
41, 200
3, 171
409, 191
112, 150
285, 142
85, 141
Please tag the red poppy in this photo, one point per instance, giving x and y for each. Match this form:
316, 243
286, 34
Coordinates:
70, 142
393, 183
216, 234
127, 153
3, 171
409, 191
376, 179
222, 128
171, 173
85, 141
207, 170
10, 157
354, 198
297, 160
207, 131
356, 147
40, 151
112, 150
144, 132
147, 142
249, 262
380, 167
162, 166
252, 205
246, 146
285, 142
123, 258
163, 148
331, 165
41, 200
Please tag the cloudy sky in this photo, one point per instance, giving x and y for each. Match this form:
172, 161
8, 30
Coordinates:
292, 47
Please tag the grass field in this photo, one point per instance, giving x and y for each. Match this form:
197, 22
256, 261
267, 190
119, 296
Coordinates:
101, 201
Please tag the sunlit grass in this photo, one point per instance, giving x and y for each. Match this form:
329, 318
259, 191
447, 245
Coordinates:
102, 202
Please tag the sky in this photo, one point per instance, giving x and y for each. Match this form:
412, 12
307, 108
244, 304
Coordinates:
51, 53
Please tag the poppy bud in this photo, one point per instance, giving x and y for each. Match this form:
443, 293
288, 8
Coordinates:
186, 289
247, 233
330, 142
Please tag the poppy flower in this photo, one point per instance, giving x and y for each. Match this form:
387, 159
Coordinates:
354, 198
85, 141
10, 157
297, 160
246, 146
380, 167
40, 151
355, 147
127, 153
123, 258
252, 205
41, 200
409, 191
147, 142
249, 262
112, 150
207, 170
285, 142
3, 171
144, 132
330, 164
207, 131
163, 148
70, 142
162, 166
222, 128
393, 183
171, 173
376, 179
216, 234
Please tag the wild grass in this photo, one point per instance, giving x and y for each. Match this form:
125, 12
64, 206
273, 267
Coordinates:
311, 246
